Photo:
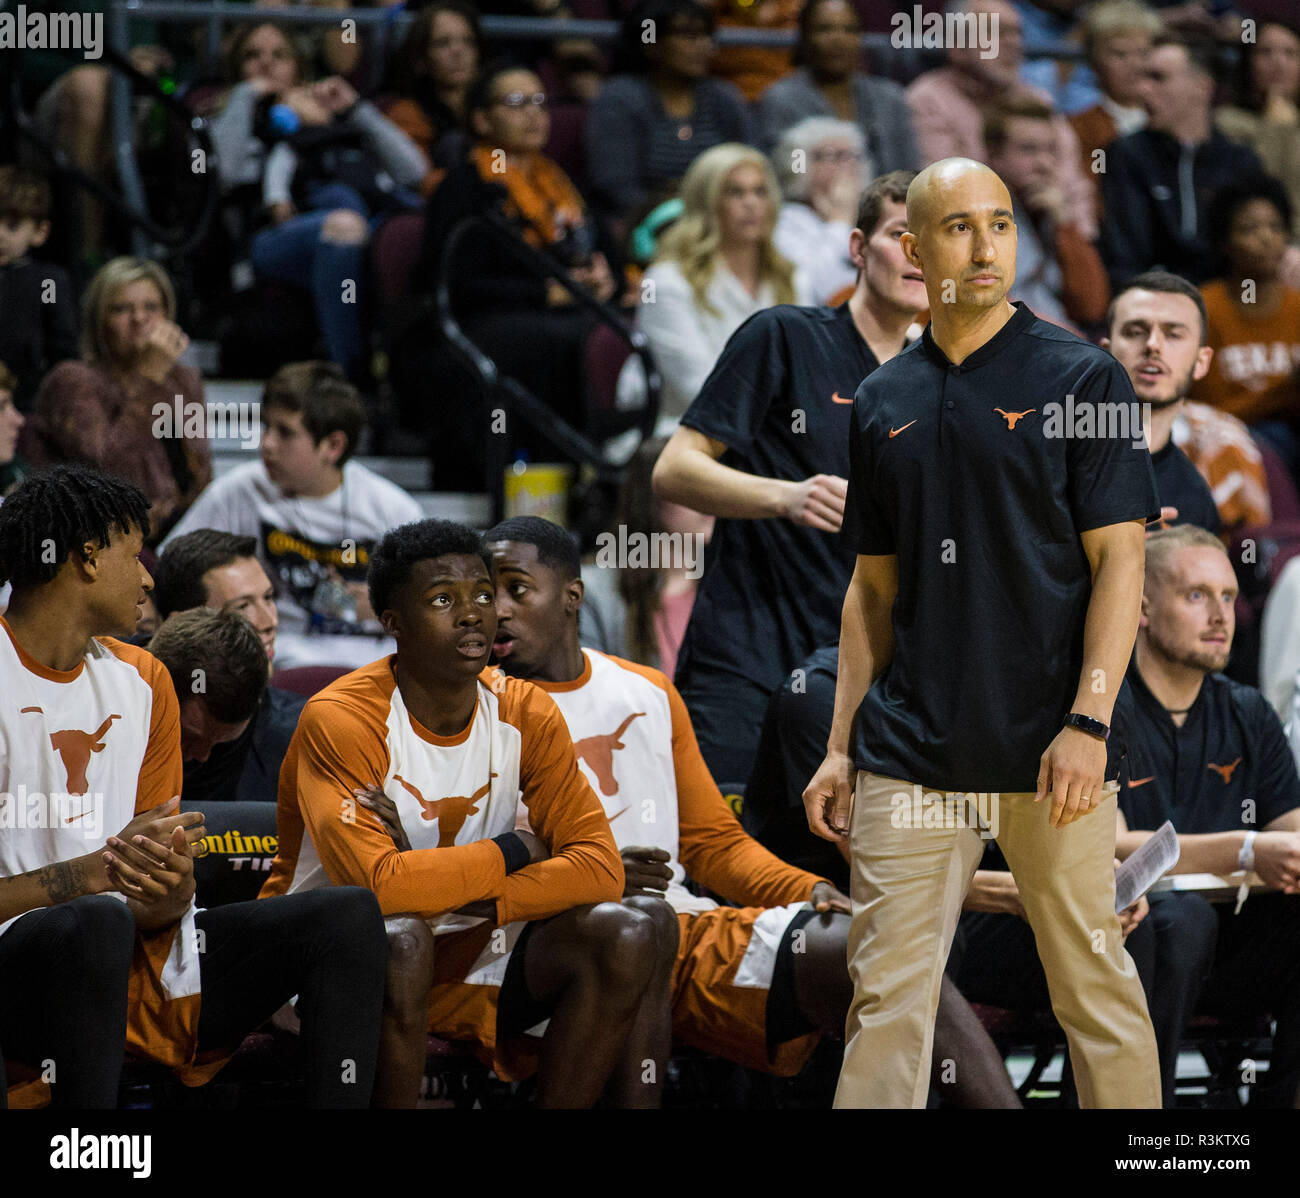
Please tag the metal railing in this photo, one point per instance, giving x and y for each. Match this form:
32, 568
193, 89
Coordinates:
521, 402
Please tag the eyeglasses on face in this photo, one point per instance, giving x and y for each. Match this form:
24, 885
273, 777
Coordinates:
522, 100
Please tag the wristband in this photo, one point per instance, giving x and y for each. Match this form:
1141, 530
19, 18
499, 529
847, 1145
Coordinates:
1246, 855
513, 850
1085, 723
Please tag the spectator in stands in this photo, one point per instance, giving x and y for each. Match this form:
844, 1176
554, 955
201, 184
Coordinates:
1254, 317
218, 667
527, 324
714, 269
948, 106
315, 513
12, 468
128, 406
40, 317
639, 609
1157, 332
432, 75
1116, 38
335, 169
660, 112
1265, 110
753, 69
220, 571
1047, 25
764, 447
261, 61
1210, 755
822, 166
1059, 273
1158, 179
829, 81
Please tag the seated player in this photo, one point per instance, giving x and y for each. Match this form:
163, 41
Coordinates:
92, 740
1210, 755
758, 983
220, 570
526, 921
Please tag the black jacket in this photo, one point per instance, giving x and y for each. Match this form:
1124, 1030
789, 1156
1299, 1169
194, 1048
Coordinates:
1157, 193
248, 767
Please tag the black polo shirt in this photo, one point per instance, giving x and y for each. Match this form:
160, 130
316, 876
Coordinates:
1227, 769
962, 472
781, 399
1179, 484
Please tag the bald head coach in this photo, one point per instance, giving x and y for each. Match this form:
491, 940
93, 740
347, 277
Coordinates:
984, 637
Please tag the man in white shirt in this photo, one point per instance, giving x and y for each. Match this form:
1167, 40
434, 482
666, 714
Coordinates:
314, 513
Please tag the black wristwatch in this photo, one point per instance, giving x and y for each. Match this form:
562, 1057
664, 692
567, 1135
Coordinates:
1085, 723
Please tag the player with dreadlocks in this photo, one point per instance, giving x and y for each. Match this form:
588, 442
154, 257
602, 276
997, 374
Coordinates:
90, 736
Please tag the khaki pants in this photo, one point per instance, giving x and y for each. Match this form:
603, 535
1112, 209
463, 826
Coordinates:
908, 887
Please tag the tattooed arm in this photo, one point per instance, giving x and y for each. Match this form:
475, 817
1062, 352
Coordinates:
51, 884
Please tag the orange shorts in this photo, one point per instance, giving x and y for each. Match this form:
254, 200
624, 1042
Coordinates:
726, 962
469, 968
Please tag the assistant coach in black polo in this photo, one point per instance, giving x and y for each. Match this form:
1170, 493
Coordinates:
992, 612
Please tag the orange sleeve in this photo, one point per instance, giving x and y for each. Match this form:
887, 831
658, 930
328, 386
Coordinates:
338, 752
712, 846
162, 771
585, 865
1085, 289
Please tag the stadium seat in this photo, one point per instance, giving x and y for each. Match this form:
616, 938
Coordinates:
236, 853
394, 250
307, 680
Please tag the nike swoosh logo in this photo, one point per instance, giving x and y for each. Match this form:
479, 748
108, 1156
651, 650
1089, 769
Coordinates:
893, 432
836, 397
79, 815
1134, 783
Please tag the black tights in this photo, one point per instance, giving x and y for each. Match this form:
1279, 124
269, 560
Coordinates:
63, 979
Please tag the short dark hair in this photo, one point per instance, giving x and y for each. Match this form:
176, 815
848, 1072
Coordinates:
1202, 54
557, 549
1232, 197
178, 576
479, 96
322, 393
56, 510
1166, 281
630, 55
24, 194
998, 116
215, 656
891, 186
392, 560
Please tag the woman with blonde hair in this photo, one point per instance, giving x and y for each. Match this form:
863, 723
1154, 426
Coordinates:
128, 407
715, 267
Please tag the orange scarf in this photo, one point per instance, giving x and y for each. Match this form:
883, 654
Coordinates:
541, 194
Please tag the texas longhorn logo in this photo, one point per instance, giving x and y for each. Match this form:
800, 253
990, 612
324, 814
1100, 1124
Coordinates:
1012, 417
598, 753
450, 812
75, 747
